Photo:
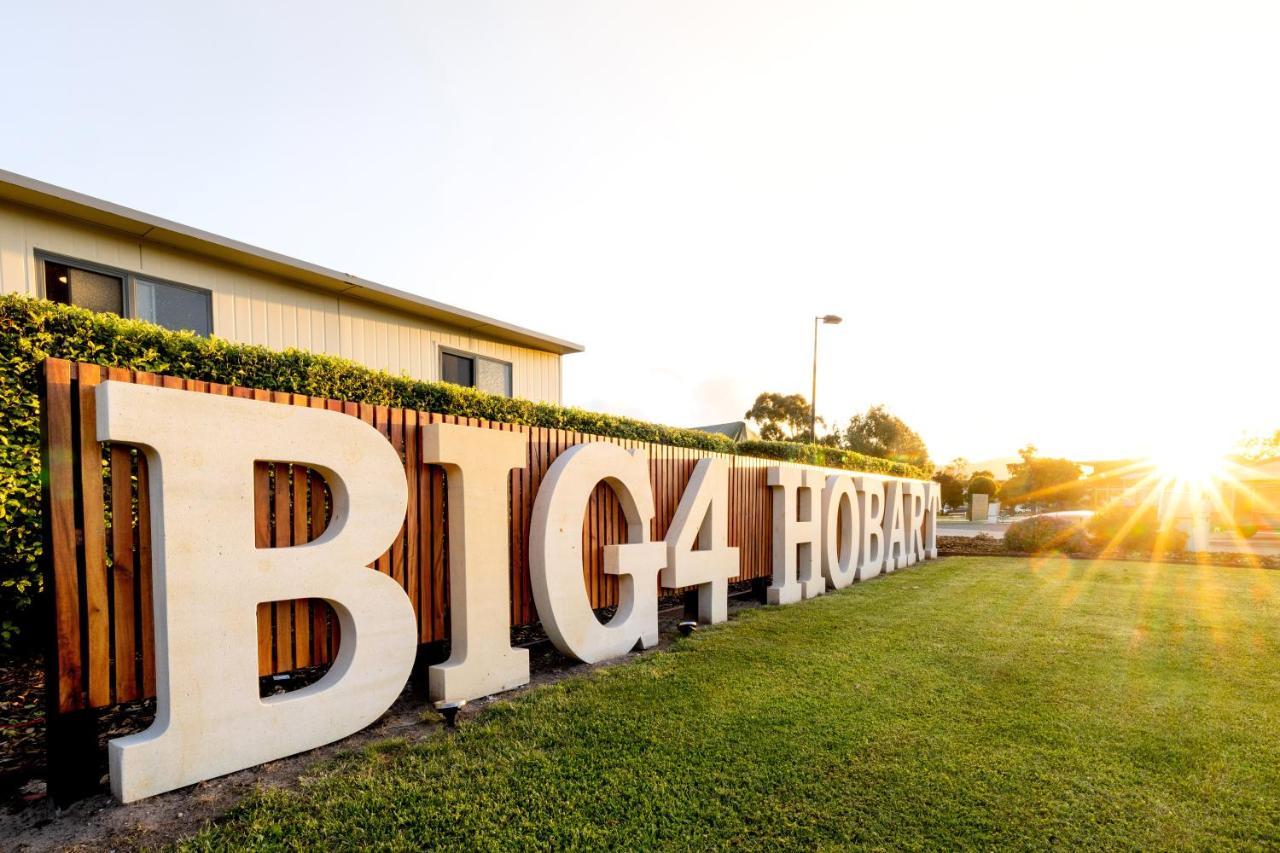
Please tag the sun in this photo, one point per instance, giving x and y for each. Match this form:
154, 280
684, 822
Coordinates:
1191, 465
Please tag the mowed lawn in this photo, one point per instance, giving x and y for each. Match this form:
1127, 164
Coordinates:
969, 702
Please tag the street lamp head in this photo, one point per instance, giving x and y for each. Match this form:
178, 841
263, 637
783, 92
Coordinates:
830, 319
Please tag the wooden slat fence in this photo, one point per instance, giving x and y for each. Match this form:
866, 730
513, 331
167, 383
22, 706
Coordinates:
98, 548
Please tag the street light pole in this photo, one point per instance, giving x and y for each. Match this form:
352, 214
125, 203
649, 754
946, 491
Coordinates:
831, 320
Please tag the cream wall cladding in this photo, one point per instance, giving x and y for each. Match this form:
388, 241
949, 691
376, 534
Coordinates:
254, 307
829, 527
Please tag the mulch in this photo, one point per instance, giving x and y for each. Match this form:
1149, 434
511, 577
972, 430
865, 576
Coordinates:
22, 715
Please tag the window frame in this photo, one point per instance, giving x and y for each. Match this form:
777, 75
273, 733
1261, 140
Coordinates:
128, 279
441, 349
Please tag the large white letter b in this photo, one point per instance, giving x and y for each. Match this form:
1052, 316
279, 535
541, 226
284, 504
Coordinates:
209, 579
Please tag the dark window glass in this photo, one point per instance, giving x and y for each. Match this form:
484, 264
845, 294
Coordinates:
86, 288
457, 369
56, 286
171, 306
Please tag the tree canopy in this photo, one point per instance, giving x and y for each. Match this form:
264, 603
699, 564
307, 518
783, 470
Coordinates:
879, 432
780, 417
1259, 447
1042, 481
952, 481
982, 486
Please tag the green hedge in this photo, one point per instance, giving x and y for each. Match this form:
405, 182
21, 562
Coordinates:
830, 457
32, 330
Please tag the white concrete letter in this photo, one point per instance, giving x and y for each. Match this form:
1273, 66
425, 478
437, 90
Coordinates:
932, 506
555, 553
477, 463
913, 520
871, 551
209, 579
895, 534
702, 519
797, 534
841, 530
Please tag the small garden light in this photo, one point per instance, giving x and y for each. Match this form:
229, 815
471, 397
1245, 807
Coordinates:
449, 710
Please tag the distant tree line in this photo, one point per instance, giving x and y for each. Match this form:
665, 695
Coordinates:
876, 432
1038, 482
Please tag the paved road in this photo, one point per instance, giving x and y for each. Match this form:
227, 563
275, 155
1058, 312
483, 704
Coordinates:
1263, 544
950, 527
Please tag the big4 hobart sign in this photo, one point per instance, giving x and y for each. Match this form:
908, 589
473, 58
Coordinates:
829, 529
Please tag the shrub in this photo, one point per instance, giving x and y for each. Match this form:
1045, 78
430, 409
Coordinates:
1122, 528
34, 329
830, 457
982, 486
1041, 534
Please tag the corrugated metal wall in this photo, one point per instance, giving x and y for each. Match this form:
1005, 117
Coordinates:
254, 308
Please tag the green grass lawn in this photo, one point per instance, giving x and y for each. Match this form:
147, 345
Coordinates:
970, 702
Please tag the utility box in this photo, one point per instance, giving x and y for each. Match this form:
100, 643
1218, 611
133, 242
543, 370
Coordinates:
979, 507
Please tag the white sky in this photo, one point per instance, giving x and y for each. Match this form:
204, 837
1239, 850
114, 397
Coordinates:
1055, 223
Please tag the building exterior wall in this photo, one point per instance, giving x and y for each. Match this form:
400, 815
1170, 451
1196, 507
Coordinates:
255, 308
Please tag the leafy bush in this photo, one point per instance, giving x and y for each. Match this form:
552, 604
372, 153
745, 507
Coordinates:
1125, 528
1042, 534
982, 486
830, 457
32, 330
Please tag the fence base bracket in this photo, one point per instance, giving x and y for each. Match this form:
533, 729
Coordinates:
760, 590
691, 605
75, 764
429, 654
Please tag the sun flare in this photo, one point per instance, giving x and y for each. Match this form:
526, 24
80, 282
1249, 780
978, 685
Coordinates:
1191, 465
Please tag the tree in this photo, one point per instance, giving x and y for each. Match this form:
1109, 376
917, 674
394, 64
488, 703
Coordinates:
781, 417
952, 481
880, 433
1042, 481
951, 487
1256, 448
982, 486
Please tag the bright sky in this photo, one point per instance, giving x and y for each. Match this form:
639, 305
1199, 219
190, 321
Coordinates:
1043, 222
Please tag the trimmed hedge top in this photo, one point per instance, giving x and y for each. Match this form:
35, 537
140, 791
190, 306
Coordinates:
828, 457
32, 330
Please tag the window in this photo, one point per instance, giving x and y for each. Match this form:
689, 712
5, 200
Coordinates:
90, 289
476, 371
174, 306
457, 369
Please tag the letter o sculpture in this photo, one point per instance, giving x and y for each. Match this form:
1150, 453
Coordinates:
841, 530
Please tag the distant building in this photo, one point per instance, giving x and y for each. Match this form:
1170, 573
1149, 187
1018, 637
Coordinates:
737, 430
61, 245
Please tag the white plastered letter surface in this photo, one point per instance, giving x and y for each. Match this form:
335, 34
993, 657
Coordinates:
702, 520
477, 464
209, 579
555, 553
